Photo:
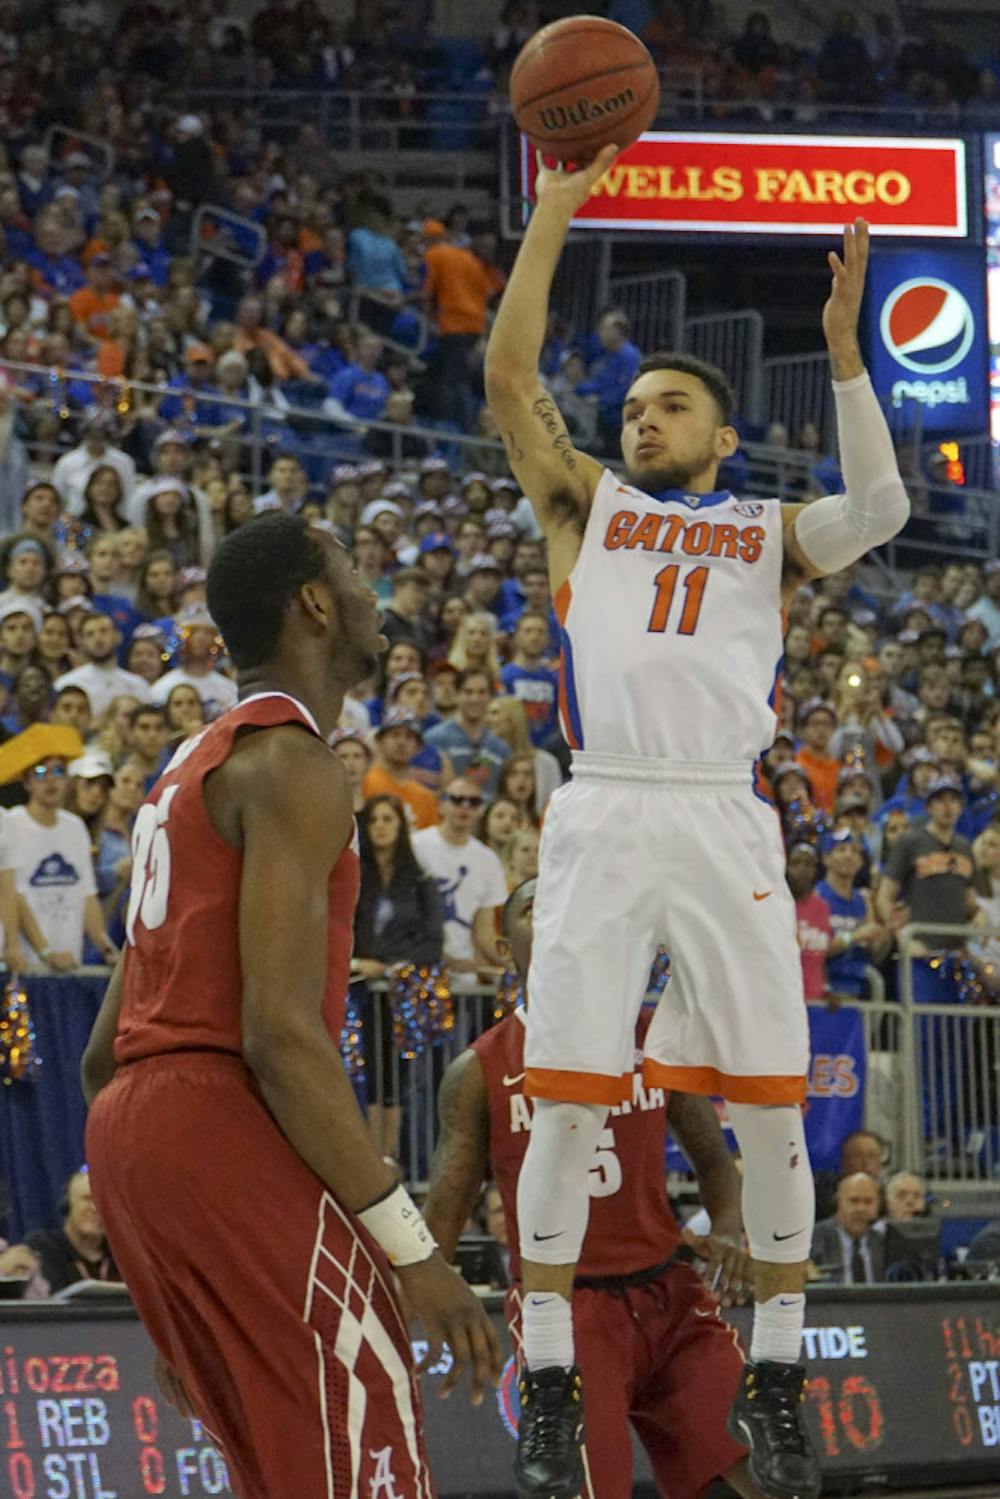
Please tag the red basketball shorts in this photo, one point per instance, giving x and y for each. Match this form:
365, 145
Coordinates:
274, 1306
657, 1357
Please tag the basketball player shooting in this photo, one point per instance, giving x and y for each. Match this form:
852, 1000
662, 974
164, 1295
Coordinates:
669, 592
263, 1240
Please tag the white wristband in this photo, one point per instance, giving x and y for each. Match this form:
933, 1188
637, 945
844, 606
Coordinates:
395, 1223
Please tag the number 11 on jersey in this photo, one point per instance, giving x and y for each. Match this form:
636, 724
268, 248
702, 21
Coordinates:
693, 584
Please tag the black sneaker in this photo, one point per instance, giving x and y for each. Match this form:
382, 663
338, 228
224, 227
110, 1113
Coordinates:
549, 1464
767, 1417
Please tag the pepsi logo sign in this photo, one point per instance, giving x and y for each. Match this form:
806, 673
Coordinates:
927, 325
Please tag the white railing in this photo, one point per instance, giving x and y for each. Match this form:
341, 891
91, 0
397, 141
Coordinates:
951, 1054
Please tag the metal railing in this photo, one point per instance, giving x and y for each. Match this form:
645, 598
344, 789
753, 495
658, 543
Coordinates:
734, 341
369, 120
951, 1053
796, 389
654, 306
410, 1087
323, 439
320, 439
377, 119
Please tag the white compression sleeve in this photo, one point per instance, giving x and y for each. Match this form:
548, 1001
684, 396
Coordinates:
838, 529
779, 1200
553, 1190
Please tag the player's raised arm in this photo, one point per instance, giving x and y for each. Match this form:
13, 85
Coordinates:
459, 1167
831, 533
557, 478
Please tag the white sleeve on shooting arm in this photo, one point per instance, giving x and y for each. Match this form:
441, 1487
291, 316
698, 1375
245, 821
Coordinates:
838, 529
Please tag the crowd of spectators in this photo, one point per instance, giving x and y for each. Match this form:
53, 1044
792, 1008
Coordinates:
889, 57
886, 766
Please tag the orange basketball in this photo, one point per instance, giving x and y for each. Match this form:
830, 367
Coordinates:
581, 83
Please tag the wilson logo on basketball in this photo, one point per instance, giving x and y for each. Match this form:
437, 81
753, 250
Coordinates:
558, 116
927, 325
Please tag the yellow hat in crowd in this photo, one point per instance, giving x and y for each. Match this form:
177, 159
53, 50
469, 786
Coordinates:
43, 741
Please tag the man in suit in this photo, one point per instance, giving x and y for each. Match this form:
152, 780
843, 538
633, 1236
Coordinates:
847, 1249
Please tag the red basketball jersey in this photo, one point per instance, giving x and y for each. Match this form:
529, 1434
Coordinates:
631, 1225
183, 983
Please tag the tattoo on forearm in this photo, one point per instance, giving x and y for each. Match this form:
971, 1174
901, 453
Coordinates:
547, 412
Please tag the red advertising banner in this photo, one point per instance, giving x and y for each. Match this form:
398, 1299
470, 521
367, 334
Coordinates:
778, 184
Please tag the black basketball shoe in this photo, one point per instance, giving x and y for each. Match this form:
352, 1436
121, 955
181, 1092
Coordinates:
767, 1416
549, 1463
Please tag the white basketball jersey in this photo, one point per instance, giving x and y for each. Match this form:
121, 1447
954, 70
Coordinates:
670, 626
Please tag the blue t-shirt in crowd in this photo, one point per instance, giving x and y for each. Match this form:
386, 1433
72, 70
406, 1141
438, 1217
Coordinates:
375, 260
158, 259
537, 688
480, 760
362, 393
845, 971
121, 611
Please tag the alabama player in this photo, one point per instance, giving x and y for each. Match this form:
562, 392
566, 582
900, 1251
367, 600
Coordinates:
252, 1221
652, 1347
668, 592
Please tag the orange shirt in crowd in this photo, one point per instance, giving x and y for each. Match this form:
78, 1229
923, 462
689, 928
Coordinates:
285, 363
460, 286
91, 309
421, 802
112, 358
822, 771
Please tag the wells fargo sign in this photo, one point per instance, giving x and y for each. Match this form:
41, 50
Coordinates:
779, 184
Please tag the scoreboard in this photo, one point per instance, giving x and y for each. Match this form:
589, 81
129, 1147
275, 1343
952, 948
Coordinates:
904, 1387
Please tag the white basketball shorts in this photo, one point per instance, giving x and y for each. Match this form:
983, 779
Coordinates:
635, 853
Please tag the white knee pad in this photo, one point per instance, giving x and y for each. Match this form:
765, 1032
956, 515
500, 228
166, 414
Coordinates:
779, 1201
553, 1198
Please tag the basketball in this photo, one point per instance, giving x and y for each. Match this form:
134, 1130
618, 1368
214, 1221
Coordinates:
580, 84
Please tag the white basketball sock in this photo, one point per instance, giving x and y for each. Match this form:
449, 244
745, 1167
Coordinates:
777, 1328
547, 1322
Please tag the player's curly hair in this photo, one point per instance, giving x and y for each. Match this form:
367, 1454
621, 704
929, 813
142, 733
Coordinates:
256, 572
711, 377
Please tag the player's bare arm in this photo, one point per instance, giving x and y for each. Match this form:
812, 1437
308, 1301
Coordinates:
98, 1065
557, 478
695, 1126
832, 532
461, 1158
274, 782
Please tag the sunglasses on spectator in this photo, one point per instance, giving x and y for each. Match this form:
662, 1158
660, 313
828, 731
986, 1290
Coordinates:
49, 772
466, 801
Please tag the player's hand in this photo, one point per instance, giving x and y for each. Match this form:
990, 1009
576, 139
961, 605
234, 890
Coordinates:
570, 190
727, 1270
172, 1389
843, 306
451, 1313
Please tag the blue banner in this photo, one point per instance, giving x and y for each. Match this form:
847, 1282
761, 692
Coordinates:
42, 1117
927, 339
835, 1094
